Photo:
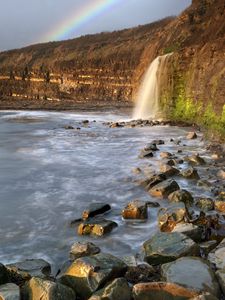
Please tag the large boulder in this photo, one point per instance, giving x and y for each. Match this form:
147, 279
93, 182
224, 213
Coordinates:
167, 247
181, 196
161, 291
87, 274
116, 290
163, 189
38, 288
136, 209
193, 273
9, 291
81, 249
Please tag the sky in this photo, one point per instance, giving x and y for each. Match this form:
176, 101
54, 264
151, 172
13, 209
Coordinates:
25, 22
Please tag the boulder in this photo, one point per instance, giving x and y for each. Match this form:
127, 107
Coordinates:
154, 180
161, 291
217, 256
141, 273
220, 205
194, 232
195, 159
96, 226
165, 247
164, 188
181, 196
4, 275
192, 273
38, 288
87, 274
220, 274
169, 217
146, 154
190, 173
151, 147
136, 210
118, 289
166, 155
191, 135
168, 170
9, 291
205, 204
95, 209
81, 249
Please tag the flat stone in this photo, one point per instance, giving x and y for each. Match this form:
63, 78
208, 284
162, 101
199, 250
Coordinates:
96, 226
154, 180
220, 274
191, 135
190, 173
192, 231
38, 288
136, 209
95, 209
87, 274
168, 170
169, 217
205, 204
217, 256
4, 275
220, 205
166, 247
161, 291
195, 159
9, 291
81, 249
192, 273
118, 289
181, 196
163, 189
166, 154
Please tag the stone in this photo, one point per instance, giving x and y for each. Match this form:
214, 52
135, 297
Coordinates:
169, 217
208, 246
68, 127
205, 204
130, 260
221, 174
193, 273
161, 291
151, 147
181, 196
4, 275
190, 173
146, 154
204, 184
136, 210
95, 209
220, 205
168, 170
164, 188
9, 291
217, 256
81, 249
165, 155
87, 274
154, 180
38, 288
195, 159
96, 226
205, 296
141, 273
220, 274
194, 232
118, 289
191, 135
158, 142
165, 247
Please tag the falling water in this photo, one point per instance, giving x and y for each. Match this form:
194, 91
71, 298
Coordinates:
147, 105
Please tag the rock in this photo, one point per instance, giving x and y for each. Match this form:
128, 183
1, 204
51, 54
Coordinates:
136, 171
208, 246
194, 232
85, 121
117, 290
220, 205
205, 204
87, 274
161, 291
95, 209
191, 136
154, 180
136, 210
146, 154
181, 196
37, 289
169, 217
81, 249
166, 247
9, 291
115, 125
96, 226
221, 174
217, 256
151, 147
68, 127
141, 273
165, 155
205, 184
205, 296
195, 159
220, 274
130, 260
152, 204
168, 170
4, 275
158, 142
183, 271
163, 189
190, 173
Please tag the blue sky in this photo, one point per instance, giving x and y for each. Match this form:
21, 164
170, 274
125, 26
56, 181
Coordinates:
25, 22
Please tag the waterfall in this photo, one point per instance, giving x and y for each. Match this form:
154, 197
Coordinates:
147, 106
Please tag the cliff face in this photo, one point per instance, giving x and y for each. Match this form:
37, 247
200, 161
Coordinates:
109, 66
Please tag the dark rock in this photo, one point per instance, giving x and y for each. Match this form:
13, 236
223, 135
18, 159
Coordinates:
158, 142
9, 291
151, 147
208, 246
95, 209
85, 121
196, 233
168, 170
191, 136
81, 249
163, 189
141, 273
96, 226
146, 154
190, 173
181, 196
205, 204
68, 127
195, 159
154, 180
136, 210
4, 275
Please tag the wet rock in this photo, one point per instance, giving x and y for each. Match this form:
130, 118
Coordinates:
204, 184
221, 174
217, 256
146, 154
194, 232
154, 180
117, 290
85, 121
190, 173
195, 159
9, 291
152, 204
163, 189
37, 289
191, 135
115, 125
161, 290
96, 226
168, 170
4, 275
81, 249
158, 142
95, 209
165, 155
166, 247
174, 162
136, 210
205, 204
181, 196
220, 205
68, 127
136, 171
207, 247
183, 272
141, 273
151, 147
220, 274
87, 274
130, 260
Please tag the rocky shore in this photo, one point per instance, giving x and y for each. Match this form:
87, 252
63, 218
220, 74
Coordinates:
184, 259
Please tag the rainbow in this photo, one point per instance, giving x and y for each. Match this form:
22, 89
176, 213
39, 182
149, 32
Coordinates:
81, 16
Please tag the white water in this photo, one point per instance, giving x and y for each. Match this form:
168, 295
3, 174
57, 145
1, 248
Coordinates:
147, 105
